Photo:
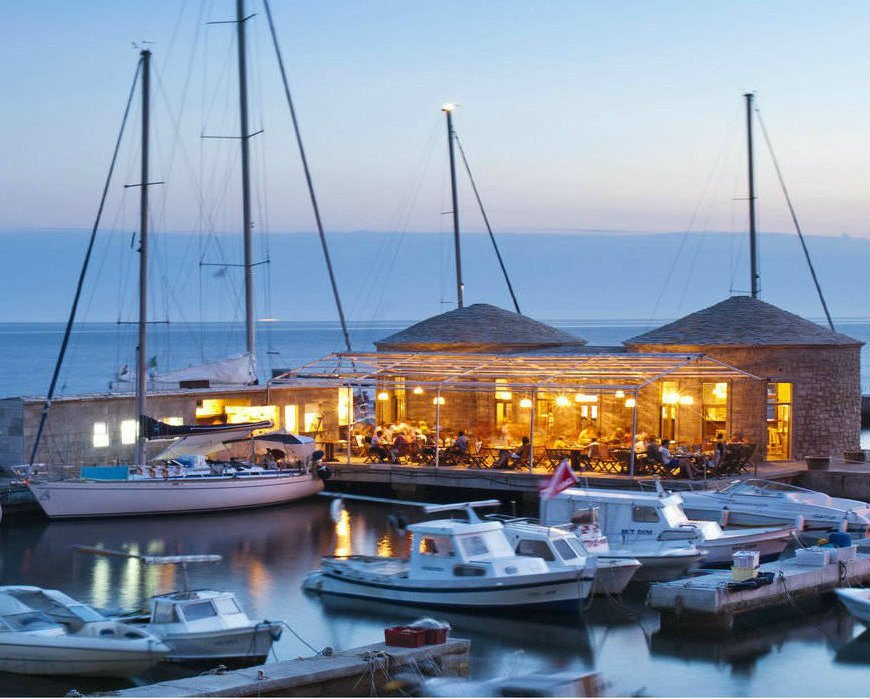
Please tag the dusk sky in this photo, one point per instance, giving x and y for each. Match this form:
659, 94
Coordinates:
575, 115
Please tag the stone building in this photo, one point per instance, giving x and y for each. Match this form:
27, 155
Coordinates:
810, 400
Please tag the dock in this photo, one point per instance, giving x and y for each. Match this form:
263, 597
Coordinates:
705, 603
359, 672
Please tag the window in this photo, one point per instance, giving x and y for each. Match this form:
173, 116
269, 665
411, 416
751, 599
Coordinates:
291, 418
237, 414
172, 420
564, 549
502, 392
463, 571
435, 546
474, 546
313, 418
644, 514
778, 421
668, 419
536, 549
164, 613
227, 605
129, 431
714, 409
101, 434
29, 621
198, 610
345, 406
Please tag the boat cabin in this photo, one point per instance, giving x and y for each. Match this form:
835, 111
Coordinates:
17, 617
557, 546
628, 516
198, 610
449, 548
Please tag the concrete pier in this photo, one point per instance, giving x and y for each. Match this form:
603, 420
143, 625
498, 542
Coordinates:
359, 672
705, 603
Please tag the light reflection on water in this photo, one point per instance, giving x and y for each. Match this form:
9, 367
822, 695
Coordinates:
268, 552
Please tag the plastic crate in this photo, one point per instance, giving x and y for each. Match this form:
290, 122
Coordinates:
405, 637
847, 553
813, 556
739, 573
435, 636
746, 559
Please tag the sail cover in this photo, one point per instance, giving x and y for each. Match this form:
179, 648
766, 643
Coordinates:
202, 444
238, 370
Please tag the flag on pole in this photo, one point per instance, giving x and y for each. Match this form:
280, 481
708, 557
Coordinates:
563, 478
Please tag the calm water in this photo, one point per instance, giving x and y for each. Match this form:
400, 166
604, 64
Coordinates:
268, 552
28, 351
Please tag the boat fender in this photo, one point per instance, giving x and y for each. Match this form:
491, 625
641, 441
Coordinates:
723, 517
323, 472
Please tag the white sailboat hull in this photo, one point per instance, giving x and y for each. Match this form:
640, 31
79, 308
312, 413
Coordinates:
26, 654
125, 498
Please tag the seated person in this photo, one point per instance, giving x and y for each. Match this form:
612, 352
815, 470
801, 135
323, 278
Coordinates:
585, 436
671, 463
378, 446
618, 437
560, 442
401, 447
518, 457
460, 444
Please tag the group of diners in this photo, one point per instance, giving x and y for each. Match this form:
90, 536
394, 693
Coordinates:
416, 443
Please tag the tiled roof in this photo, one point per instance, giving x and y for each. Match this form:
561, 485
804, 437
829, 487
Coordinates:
742, 321
479, 326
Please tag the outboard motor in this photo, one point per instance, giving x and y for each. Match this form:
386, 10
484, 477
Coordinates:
321, 469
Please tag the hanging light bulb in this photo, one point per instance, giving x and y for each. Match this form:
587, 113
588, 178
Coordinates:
526, 403
630, 402
418, 390
439, 400
620, 394
562, 401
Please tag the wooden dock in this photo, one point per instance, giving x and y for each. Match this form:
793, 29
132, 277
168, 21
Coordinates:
704, 602
359, 672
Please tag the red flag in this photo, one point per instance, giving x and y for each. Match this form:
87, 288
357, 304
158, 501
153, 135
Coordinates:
563, 478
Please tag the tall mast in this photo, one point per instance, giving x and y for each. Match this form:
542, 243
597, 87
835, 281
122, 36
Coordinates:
448, 110
753, 236
246, 178
141, 349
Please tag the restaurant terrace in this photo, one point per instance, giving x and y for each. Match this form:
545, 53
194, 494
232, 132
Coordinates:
582, 403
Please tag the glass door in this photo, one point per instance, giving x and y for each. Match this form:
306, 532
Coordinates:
778, 421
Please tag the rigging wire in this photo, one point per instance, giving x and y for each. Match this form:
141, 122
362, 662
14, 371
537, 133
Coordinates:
310, 183
793, 214
486, 221
72, 315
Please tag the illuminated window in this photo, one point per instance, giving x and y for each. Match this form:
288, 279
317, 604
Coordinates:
345, 406
172, 420
670, 398
209, 407
101, 434
251, 413
312, 417
129, 432
779, 421
503, 393
714, 408
291, 418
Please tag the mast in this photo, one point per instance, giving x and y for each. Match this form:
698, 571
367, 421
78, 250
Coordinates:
448, 110
753, 237
246, 179
141, 349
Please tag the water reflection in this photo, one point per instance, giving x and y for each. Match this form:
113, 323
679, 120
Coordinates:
267, 553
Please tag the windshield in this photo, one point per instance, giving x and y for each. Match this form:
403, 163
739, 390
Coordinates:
28, 621
760, 487
85, 613
674, 515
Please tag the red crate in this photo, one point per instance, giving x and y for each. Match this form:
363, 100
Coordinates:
435, 636
405, 636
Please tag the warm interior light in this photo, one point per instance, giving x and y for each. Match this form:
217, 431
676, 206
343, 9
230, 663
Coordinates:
720, 390
383, 395
686, 400
630, 402
238, 414
670, 398
562, 401
526, 403
438, 401
620, 394
585, 398
418, 390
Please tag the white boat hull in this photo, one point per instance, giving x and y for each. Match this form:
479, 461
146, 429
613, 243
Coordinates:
124, 498
24, 654
248, 645
612, 575
768, 542
544, 590
857, 603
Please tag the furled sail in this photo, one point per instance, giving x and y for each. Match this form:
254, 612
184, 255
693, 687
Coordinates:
238, 370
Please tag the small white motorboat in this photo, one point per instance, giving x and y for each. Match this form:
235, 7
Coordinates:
651, 522
857, 602
561, 548
457, 564
756, 502
200, 625
45, 632
534, 684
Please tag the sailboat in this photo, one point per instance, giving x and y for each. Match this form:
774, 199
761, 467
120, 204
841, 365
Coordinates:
168, 486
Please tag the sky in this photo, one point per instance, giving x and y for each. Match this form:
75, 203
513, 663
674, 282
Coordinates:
576, 115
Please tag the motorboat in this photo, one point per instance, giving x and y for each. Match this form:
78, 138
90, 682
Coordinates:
533, 684
857, 603
169, 485
645, 523
561, 548
757, 502
200, 625
457, 563
45, 632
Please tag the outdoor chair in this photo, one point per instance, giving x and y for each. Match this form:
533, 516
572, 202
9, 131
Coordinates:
554, 457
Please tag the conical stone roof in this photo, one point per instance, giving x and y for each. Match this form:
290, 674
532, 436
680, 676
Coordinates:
742, 321
479, 327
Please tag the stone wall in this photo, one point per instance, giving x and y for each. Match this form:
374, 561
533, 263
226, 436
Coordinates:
68, 435
826, 392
